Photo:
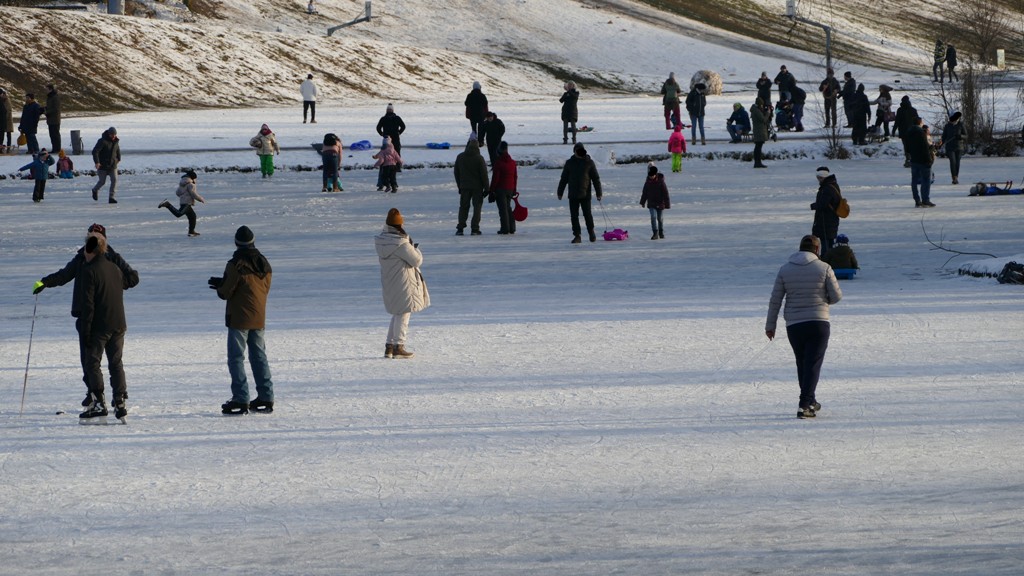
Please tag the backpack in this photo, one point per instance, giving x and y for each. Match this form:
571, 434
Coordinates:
843, 209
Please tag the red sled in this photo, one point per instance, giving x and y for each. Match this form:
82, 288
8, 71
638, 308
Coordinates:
520, 212
617, 234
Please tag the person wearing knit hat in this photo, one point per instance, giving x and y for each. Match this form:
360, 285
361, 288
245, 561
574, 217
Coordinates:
578, 175
759, 122
809, 287
738, 124
265, 143
69, 273
905, 116
40, 169
388, 160
954, 137
187, 197
403, 288
677, 147
476, 108
655, 198
392, 126
106, 154
826, 220
245, 286
841, 255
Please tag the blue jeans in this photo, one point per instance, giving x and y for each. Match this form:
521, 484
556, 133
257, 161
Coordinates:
736, 132
237, 341
694, 122
921, 175
656, 223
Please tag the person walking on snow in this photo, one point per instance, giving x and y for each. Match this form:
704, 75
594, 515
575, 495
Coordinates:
677, 147
906, 115
244, 288
492, 130
392, 126
388, 161
402, 284
670, 92
69, 273
29, 124
504, 180
808, 286
308, 91
106, 154
884, 110
476, 109
825, 205
696, 102
922, 156
53, 114
471, 180
939, 59
187, 197
655, 198
578, 175
265, 143
830, 89
951, 62
40, 167
570, 112
953, 141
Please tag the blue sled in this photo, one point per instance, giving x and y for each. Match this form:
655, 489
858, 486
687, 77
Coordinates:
845, 273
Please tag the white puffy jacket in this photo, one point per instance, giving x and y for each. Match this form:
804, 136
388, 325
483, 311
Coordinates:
808, 285
404, 288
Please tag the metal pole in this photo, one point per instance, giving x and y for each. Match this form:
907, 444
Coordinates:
24, 385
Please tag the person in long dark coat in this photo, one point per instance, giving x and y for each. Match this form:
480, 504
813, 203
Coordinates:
578, 175
759, 130
391, 124
860, 108
570, 112
492, 130
826, 220
476, 109
53, 113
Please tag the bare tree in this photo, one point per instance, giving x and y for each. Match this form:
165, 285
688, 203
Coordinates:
977, 26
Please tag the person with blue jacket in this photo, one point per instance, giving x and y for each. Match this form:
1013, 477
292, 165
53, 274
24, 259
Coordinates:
739, 123
40, 167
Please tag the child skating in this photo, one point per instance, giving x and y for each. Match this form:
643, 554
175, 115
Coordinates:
655, 198
187, 197
40, 167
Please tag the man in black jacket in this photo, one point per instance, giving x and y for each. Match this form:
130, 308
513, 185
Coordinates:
919, 147
492, 130
826, 220
29, 124
906, 115
578, 175
830, 89
53, 117
107, 155
391, 124
848, 94
101, 327
129, 279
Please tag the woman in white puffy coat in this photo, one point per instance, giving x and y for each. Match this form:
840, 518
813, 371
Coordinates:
404, 289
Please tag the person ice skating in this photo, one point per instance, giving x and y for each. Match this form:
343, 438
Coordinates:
954, 137
69, 273
106, 155
6, 120
841, 256
951, 62
860, 108
308, 91
677, 147
402, 284
471, 180
65, 167
245, 286
476, 109
53, 114
492, 130
670, 92
830, 89
101, 327
29, 125
939, 59
759, 130
570, 111
884, 111
785, 81
578, 176
392, 126
809, 287
764, 89
696, 102
40, 167
187, 198
922, 156
330, 155
848, 94
265, 143
738, 124
655, 198
825, 205
504, 180
388, 161
906, 115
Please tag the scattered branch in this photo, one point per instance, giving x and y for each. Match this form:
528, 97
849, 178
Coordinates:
956, 253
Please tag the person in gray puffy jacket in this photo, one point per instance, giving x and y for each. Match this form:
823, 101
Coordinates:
403, 286
809, 287
187, 197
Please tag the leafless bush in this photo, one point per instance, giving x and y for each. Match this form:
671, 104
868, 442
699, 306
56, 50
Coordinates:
976, 26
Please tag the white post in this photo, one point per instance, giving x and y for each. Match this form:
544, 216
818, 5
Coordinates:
1000, 59
791, 8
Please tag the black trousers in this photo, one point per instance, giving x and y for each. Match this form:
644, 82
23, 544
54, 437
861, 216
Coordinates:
112, 344
184, 210
39, 190
574, 212
309, 106
809, 341
758, 155
54, 137
503, 200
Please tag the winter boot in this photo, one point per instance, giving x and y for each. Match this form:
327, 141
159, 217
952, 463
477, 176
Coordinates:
389, 351
661, 234
575, 239
654, 236
593, 236
261, 406
233, 408
399, 351
164, 204
805, 413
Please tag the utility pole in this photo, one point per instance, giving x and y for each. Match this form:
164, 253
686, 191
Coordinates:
791, 14
366, 18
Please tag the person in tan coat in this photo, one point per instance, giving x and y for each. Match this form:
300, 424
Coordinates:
404, 289
245, 286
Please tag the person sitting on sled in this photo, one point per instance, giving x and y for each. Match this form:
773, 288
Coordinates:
841, 256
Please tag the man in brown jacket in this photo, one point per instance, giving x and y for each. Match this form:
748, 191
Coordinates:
245, 285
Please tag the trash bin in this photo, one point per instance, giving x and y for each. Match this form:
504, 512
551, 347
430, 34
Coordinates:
76, 142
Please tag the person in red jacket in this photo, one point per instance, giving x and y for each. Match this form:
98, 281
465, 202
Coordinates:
504, 175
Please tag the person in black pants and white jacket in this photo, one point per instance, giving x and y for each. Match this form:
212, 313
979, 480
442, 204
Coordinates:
187, 197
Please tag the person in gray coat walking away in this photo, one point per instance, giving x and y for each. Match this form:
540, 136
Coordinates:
578, 175
471, 180
404, 289
106, 154
809, 287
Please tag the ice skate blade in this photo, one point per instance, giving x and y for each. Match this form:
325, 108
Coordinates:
95, 421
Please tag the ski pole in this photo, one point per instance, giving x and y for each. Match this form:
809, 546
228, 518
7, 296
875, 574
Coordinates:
24, 385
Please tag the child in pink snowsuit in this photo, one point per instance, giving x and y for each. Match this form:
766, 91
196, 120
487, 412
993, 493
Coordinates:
677, 146
388, 160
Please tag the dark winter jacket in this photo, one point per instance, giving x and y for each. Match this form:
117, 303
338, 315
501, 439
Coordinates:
53, 108
245, 286
578, 175
40, 166
696, 101
505, 174
953, 136
950, 56
471, 169
570, 113
492, 130
107, 152
860, 106
741, 118
849, 91
476, 105
670, 92
830, 88
129, 277
826, 221
759, 124
840, 257
391, 124
785, 80
30, 114
6, 114
799, 96
102, 299
764, 89
905, 116
655, 193
918, 147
